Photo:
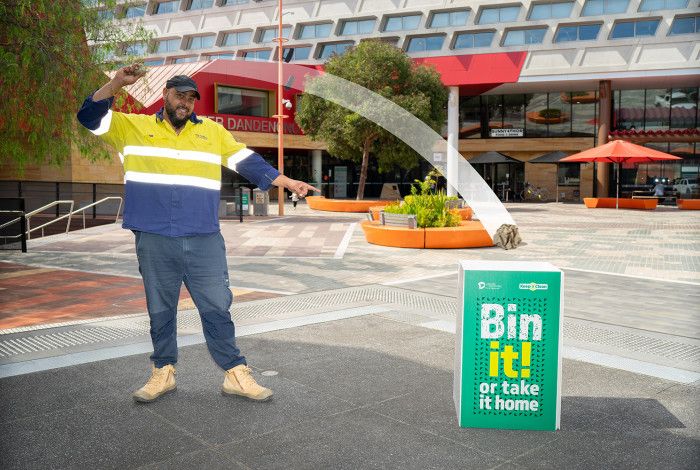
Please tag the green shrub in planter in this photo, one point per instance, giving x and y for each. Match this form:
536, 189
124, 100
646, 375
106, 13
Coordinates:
429, 206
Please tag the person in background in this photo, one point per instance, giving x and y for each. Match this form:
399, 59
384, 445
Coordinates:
659, 189
172, 163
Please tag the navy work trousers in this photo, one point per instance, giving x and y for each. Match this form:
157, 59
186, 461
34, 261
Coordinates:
200, 262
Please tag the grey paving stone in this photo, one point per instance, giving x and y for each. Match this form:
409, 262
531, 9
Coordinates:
112, 434
35, 394
613, 450
584, 379
209, 459
358, 439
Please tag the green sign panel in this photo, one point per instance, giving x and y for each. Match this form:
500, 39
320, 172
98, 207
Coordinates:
244, 202
508, 356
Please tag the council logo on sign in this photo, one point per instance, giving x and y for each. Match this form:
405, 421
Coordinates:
488, 285
533, 286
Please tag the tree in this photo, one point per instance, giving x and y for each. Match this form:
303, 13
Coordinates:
53, 53
389, 72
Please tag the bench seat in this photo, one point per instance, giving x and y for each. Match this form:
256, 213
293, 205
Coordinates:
623, 203
688, 204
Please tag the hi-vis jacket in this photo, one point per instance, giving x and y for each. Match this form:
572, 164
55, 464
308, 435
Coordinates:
172, 181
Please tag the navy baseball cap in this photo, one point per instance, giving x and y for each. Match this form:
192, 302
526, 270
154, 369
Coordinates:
183, 83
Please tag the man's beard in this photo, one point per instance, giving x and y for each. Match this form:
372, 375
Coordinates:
172, 115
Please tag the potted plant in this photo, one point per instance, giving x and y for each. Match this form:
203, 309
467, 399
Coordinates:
429, 206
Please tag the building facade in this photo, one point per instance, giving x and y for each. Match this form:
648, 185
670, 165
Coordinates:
526, 78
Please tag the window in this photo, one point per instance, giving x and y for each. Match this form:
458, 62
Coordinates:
498, 14
138, 49
135, 11
469, 40
603, 7
686, 25
327, 50
653, 5
237, 39
166, 7
268, 34
257, 55
310, 31
357, 27
201, 42
517, 37
633, 29
200, 4
153, 62
227, 56
227, 3
296, 53
581, 32
241, 102
167, 45
105, 15
426, 43
184, 60
546, 11
449, 18
569, 174
402, 23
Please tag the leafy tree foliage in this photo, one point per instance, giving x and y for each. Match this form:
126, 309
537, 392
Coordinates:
389, 72
52, 54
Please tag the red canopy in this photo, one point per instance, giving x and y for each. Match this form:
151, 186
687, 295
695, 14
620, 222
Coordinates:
619, 151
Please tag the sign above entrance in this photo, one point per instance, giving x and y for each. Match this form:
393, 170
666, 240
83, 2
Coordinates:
253, 124
507, 132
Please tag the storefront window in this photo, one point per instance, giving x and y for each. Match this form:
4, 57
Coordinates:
630, 110
513, 111
559, 119
537, 115
684, 107
583, 113
657, 112
241, 102
569, 174
470, 117
494, 108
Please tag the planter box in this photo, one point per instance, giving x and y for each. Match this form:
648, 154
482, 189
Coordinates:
688, 204
623, 203
470, 234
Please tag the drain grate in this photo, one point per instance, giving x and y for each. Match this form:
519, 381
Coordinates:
648, 344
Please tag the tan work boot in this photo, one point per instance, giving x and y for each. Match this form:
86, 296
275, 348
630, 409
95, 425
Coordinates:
239, 381
161, 382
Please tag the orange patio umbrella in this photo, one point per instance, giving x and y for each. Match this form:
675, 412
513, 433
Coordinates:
619, 151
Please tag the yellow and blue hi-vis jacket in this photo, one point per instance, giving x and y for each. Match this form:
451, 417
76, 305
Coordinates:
172, 181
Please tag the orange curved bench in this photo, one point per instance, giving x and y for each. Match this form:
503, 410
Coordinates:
624, 203
688, 204
399, 237
470, 234
320, 203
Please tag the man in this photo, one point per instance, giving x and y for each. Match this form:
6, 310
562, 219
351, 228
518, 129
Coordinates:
172, 183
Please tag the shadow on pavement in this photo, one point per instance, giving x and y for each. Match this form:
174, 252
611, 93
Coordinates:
360, 393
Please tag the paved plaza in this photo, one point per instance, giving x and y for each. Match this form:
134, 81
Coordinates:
357, 341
